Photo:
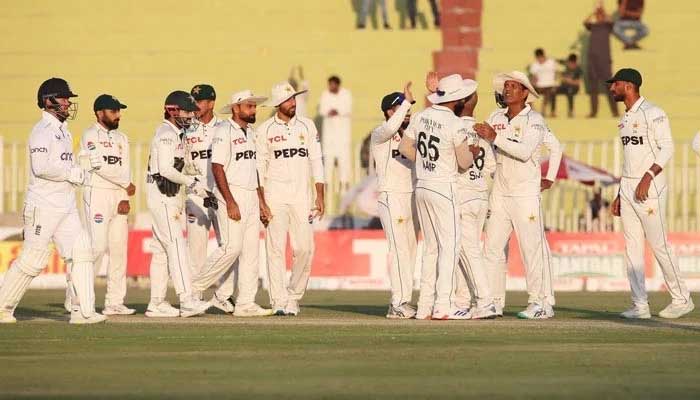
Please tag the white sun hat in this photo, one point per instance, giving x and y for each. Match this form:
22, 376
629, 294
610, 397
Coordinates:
282, 92
500, 79
240, 97
451, 88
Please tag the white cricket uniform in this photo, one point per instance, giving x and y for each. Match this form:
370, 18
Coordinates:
645, 133
515, 204
696, 143
395, 185
200, 219
104, 189
337, 134
437, 132
289, 157
169, 247
545, 74
233, 147
50, 215
472, 280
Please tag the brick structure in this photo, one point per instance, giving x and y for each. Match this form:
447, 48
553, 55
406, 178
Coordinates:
461, 38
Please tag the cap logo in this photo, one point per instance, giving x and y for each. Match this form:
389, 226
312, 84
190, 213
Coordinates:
196, 90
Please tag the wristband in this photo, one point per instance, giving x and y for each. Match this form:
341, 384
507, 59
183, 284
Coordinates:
652, 173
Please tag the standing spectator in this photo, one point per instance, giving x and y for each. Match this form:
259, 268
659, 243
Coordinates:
335, 107
570, 83
543, 73
599, 60
630, 18
413, 12
365, 9
302, 86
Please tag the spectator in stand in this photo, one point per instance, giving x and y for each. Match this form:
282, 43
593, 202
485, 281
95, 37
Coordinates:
413, 12
570, 83
630, 18
543, 75
335, 107
599, 66
364, 9
599, 215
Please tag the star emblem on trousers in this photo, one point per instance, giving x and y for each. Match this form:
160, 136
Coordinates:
532, 217
400, 220
650, 211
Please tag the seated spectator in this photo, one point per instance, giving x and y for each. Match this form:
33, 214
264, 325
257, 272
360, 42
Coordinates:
570, 83
543, 74
630, 18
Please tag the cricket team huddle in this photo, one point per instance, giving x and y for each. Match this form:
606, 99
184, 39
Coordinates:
439, 172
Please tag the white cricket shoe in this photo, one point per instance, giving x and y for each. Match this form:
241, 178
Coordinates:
403, 311
6, 317
77, 318
162, 309
441, 315
637, 312
252, 310
67, 303
536, 311
292, 308
499, 310
488, 311
674, 311
193, 307
424, 313
460, 314
223, 305
118, 309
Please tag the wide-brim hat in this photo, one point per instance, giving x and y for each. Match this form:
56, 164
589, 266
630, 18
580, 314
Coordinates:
241, 97
282, 92
451, 88
500, 79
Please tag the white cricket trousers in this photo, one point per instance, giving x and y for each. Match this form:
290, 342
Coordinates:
648, 220
200, 220
471, 278
438, 211
292, 218
524, 215
396, 212
238, 249
109, 232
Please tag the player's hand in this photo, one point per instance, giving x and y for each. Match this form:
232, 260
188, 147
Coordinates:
474, 149
95, 160
485, 131
642, 192
407, 93
131, 190
332, 113
232, 210
431, 81
615, 208
265, 214
76, 175
123, 207
320, 206
545, 184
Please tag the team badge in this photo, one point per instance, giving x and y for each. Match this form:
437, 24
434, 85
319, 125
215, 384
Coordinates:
98, 218
301, 138
91, 146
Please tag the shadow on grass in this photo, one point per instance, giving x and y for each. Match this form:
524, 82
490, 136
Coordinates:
611, 316
28, 314
377, 311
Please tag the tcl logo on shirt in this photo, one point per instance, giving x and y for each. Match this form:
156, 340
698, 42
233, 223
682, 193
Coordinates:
290, 153
632, 140
499, 127
201, 155
277, 139
67, 156
193, 140
112, 160
245, 155
105, 144
239, 141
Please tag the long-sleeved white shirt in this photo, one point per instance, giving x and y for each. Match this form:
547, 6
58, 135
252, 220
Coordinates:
113, 147
288, 158
696, 143
437, 132
167, 144
556, 151
395, 173
198, 151
517, 146
50, 158
645, 133
472, 184
233, 147
336, 130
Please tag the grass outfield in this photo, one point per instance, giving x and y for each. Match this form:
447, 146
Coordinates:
342, 347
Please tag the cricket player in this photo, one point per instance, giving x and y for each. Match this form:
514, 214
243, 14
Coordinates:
106, 198
200, 218
647, 147
234, 171
289, 157
518, 132
166, 190
50, 212
436, 140
395, 184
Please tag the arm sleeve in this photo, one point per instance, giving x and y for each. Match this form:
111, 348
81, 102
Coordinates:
489, 157
410, 131
316, 155
166, 158
696, 143
42, 153
523, 150
664, 141
261, 153
220, 148
555, 153
389, 128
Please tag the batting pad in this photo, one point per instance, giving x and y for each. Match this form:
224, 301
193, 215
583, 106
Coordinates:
82, 277
13, 288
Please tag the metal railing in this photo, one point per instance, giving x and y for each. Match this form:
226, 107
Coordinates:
566, 204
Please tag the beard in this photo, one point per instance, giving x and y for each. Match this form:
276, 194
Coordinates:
290, 112
249, 119
111, 125
618, 97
